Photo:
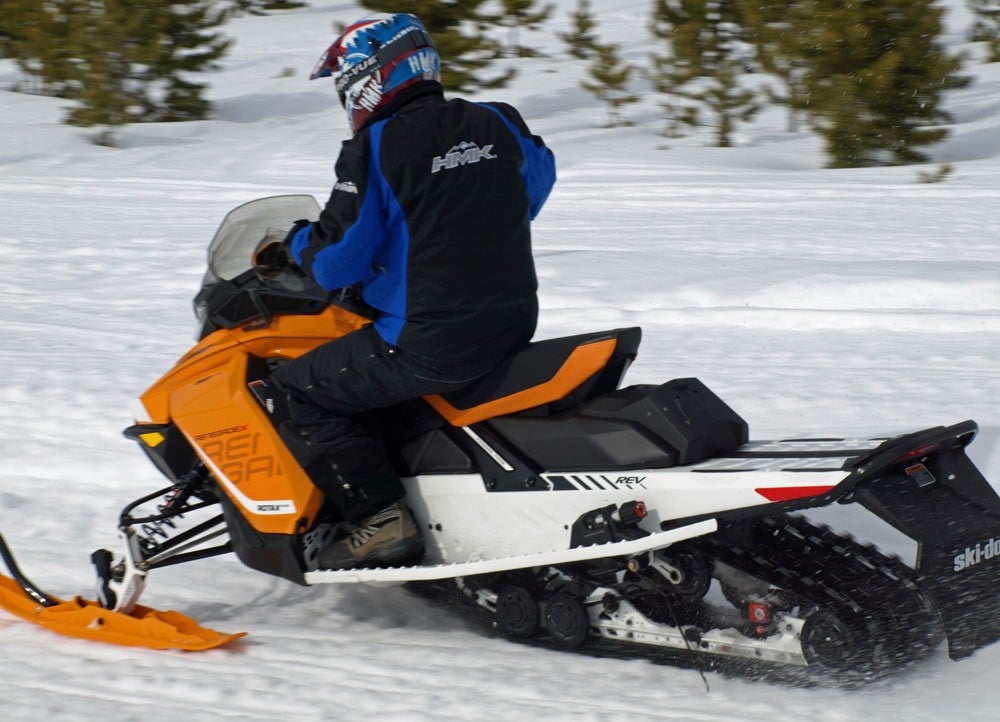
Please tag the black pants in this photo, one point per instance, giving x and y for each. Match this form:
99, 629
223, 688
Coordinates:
327, 386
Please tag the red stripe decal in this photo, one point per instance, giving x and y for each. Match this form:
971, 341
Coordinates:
787, 493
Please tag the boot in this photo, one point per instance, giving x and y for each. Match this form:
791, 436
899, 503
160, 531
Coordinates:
383, 539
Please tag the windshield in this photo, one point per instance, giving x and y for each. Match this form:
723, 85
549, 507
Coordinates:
231, 251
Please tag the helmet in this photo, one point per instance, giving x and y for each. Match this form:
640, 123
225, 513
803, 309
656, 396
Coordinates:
375, 59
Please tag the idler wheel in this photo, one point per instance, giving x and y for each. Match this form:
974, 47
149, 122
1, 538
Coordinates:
517, 612
691, 576
566, 619
828, 641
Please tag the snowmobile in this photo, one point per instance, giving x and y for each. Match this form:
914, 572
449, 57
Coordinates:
558, 503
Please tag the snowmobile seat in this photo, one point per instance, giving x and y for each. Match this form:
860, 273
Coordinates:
544, 377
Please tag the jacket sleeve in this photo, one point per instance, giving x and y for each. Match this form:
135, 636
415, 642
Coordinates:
539, 167
339, 248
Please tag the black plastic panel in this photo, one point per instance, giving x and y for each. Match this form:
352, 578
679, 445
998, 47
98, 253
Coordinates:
275, 554
571, 442
434, 453
174, 456
683, 413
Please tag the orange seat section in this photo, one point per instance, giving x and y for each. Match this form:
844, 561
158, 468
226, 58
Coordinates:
585, 361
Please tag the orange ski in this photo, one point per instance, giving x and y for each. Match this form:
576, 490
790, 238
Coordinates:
143, 627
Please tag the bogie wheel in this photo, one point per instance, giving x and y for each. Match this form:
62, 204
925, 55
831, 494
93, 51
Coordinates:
689, 575
829, 642
517, 612
566, 619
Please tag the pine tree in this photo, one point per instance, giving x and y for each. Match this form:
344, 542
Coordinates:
769, 28
463, 57
581, 40
40, 37
728, 101
876, 73
674, 23
987, 26
107, 40
134, 59
16, 20
609, 82
187, 44
516, 15
704, 65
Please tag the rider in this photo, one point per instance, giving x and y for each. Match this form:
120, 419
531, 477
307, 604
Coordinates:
430, 214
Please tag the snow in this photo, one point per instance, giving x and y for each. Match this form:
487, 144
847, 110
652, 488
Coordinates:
812, 300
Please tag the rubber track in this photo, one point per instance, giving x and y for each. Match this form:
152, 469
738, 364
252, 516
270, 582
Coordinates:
875, 594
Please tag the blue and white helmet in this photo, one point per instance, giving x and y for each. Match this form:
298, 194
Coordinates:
375, 59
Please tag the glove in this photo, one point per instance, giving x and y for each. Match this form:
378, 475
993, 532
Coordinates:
296, 227
271, 256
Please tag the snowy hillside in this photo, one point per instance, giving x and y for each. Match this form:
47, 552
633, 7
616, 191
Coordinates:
813, 301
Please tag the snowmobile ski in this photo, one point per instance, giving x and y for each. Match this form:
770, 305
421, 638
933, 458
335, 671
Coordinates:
85, 619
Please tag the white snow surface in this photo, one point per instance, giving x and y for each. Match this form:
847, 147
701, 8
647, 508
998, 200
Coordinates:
813, 301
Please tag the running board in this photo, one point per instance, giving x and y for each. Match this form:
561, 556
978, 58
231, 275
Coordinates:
524, 561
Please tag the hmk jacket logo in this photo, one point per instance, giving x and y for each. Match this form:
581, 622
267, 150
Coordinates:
462, 154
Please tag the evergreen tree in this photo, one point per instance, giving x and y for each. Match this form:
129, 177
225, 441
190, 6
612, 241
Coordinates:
107, 38
704, 65
581, 40
728, 101
133, 59
463, 57
521, 14
187, 43
987, 26
38, 37
674, 23
768, 27
124, 61
876, 72
15, 21
609, 82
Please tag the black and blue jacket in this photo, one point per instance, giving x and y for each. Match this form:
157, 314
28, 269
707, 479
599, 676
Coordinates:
431, 215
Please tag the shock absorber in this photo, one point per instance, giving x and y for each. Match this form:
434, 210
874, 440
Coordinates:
155, 529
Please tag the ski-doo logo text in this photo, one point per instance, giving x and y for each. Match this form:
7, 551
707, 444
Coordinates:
983, 551
462, 154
